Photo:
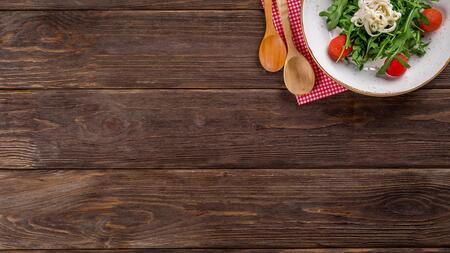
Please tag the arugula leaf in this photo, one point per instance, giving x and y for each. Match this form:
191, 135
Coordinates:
334, 13
402, 62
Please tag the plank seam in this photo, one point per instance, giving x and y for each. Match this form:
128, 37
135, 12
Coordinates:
123, 10
227, 248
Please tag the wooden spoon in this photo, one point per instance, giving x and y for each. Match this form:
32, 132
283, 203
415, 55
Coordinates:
299, 76
272, 51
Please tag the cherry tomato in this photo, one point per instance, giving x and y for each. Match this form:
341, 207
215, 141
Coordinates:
396, 69
336, 48
435, 17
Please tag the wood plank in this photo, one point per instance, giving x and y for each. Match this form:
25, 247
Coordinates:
225, 208
382, 250
136, 49
220, 129
128, 4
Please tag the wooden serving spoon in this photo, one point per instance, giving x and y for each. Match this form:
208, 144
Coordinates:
299, 76
272, 51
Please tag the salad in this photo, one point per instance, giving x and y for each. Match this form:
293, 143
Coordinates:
388, 30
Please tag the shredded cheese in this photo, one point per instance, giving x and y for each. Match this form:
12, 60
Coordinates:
377, 16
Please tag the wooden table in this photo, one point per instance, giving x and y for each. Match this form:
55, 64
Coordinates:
150, 125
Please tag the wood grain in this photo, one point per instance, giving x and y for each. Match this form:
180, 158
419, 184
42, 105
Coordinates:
132, 49
136, 49
220, 129
128, 4
385, 250
225, 208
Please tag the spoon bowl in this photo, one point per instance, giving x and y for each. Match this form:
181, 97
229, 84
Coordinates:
272, 53
299, 76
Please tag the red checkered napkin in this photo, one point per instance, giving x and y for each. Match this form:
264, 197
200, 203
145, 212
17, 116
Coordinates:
325, 86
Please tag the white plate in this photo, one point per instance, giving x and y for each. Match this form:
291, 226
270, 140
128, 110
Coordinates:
423, 69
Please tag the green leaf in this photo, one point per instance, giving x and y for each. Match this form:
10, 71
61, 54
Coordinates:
383, 69
402, 62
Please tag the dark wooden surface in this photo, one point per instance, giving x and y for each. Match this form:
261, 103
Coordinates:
129, 4
225, 208
149, 126
353, 250
220, 129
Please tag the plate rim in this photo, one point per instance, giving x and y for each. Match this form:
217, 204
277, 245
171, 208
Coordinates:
362, 92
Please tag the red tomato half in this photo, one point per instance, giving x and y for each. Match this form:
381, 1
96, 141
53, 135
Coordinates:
435, 18
336, 48
396, 69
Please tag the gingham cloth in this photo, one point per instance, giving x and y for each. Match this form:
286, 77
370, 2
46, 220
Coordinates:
325, 86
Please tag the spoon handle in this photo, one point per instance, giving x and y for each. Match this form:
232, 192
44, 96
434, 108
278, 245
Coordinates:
270, 28
284, 14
